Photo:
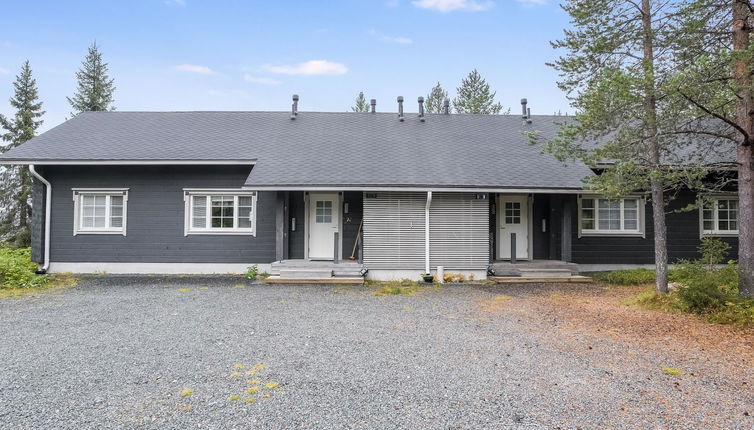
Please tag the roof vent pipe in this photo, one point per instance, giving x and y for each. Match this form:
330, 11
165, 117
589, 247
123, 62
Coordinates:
528, 115
373, 103
421, 109
523, 109
294, 107
446, 106
400, 108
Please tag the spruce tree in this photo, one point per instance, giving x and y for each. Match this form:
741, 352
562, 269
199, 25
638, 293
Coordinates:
436, 99
361, 104
94, 91
15, 181
474, 96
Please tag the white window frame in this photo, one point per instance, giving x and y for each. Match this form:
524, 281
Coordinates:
190, 193
78, 196
596, 231
713, 199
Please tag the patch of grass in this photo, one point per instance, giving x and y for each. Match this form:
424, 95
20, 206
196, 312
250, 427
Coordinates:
235, 374
262, 276
234, 398
57, 282
626, 277
250, 400
252, 390
18, 271
495, 304
408, 308
271, 385
187, 392
239, 286
184, 290
239, 366
654, 301
254, 381
266, 395
403, 287
672, 371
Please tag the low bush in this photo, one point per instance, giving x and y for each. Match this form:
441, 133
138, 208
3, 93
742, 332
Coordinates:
18, 271
626, 277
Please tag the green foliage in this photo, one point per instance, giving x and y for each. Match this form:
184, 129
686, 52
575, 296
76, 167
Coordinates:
436, 99
361, 104
474, 96
15, 191
672, 371
626, 277
713, 251
252, 272
403, 287
95, 88
18, 271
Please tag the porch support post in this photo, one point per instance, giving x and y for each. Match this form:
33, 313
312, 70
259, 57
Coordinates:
426, 231
565, 242
281, 225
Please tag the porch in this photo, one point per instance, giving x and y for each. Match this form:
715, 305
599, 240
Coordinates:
311, 271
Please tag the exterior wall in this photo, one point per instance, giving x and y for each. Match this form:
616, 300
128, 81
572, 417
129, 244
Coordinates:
351, 221
458, 231
155, 217
683, 238
37, 221
296, 239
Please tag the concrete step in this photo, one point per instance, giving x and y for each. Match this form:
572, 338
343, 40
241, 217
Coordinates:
538, 272
306, 272
543, 280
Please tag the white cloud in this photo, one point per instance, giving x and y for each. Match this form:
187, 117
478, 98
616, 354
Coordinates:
451, 5
193, 68
532, 2
4, 71
175, 2
259, 80
390, 39
311, 67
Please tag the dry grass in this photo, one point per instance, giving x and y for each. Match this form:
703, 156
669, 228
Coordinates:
60, 281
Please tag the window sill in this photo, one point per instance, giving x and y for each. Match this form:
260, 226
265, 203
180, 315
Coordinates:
221, 233
611, 234
119, 233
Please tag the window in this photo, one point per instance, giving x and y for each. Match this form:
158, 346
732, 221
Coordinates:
598, 216
323, 212
220, 212
99, 211
720, 216
513, 212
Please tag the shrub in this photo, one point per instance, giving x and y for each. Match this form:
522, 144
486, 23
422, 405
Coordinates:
252, 272
626, 277
17, 270
713, 251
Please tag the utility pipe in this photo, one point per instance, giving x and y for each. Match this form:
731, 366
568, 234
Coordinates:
426, 231
48, 204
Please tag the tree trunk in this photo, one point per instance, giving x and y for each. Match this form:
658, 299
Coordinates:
745, 119
650, 113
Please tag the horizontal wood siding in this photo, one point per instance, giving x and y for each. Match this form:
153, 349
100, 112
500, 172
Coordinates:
156, 216
394, 230
458, 231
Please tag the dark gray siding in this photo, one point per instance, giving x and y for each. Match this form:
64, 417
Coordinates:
351, 221
683, 238
297, 210
37, 221
156, 216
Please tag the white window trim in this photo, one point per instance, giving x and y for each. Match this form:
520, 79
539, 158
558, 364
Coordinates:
188, 229
78, 194
639, 232
716, 232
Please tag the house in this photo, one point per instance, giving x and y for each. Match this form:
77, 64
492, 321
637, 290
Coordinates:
296, 193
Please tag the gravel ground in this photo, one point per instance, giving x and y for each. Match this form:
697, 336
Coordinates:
116, 352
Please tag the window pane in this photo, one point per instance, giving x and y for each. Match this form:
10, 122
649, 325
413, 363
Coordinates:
709, 225
587, 203
88, 211
199, 219
244, 200
87, 222
100, 200
587, 224
88, 200
630, 224
116, 222
244, 216
116, 201
630, 204
99, 222
222, 211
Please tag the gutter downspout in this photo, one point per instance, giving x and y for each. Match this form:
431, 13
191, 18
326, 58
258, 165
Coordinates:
426, 231
48, 203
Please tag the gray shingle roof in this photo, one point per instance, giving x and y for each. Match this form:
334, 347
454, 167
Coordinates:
322, 148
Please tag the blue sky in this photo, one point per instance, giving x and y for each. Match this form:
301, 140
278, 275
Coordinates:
252, 55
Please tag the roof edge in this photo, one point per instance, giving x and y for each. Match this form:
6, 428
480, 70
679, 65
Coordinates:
131, 162
332, 188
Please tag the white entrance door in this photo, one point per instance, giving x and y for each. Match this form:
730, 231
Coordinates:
324, 222
513, 217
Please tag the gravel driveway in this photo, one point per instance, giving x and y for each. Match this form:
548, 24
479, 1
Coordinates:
117, 352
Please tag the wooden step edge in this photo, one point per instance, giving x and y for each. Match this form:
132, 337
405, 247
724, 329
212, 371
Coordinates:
279, 280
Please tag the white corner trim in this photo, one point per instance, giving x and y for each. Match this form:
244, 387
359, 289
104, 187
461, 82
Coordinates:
157, 268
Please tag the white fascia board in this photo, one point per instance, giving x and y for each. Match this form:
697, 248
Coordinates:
131, 162
420, 189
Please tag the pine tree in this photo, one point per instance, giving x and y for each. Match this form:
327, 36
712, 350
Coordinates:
617, 82
95, 88
474, 96
361, 104
436, 99
15, 181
